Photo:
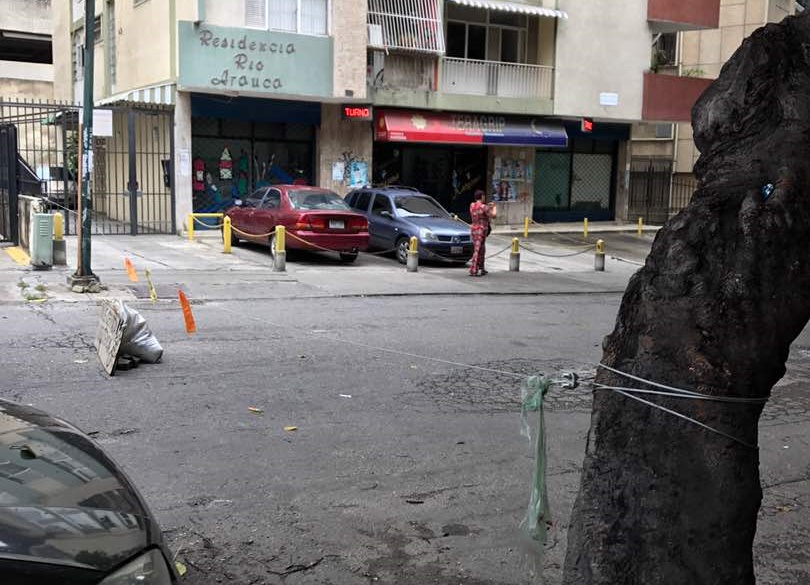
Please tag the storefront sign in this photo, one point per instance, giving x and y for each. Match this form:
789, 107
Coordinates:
354, 112
248, 61
416, 126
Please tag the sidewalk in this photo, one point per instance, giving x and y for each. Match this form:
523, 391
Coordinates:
205, 273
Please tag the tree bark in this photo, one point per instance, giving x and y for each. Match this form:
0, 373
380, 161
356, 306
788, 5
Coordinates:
723, 293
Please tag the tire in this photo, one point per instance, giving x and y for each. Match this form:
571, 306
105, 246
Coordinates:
348, 257
234, 239
402, 250
272, 242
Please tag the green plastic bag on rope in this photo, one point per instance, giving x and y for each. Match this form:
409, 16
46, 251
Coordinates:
538, 516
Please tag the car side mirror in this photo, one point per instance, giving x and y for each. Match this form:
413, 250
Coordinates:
237, 202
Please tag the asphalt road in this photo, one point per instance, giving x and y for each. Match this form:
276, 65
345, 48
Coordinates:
407, 465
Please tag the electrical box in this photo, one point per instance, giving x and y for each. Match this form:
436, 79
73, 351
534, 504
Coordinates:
41, 241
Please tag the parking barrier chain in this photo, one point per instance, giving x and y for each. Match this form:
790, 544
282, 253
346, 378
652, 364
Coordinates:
246, 234
559, 235
583, 251
213, 227
627, 261
498, 253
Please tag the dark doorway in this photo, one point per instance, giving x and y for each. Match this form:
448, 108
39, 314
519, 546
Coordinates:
450, 174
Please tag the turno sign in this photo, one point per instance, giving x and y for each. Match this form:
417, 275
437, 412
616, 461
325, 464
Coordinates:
248, 61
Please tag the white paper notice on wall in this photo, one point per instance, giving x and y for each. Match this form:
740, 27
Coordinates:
185, 163
608, 99
102, 122
338, 170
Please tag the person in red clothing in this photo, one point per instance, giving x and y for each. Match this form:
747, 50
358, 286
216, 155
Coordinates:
481, 214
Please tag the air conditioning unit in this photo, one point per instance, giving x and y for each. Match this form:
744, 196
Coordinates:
375, 36
41, 241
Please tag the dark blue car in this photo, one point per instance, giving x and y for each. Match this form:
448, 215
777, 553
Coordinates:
395, 214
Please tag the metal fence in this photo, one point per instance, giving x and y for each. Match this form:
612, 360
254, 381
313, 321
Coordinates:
683, 187
132, 181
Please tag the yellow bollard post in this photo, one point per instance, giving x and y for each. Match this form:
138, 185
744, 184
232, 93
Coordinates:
59, 245
599, 257
226, 235
412, 264
585, 228
280, 249
526, 227
58, 226
190, 222
514, 257
640, 225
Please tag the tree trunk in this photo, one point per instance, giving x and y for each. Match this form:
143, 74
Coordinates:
721, 297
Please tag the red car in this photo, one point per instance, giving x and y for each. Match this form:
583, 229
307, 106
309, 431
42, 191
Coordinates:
315, 219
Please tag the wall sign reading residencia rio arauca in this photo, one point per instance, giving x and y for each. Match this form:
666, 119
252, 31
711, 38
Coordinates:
246, 61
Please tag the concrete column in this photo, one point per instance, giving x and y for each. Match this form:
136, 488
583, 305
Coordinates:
183, 156
622, 180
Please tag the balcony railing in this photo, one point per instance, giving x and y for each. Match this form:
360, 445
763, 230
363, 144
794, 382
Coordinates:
491, 78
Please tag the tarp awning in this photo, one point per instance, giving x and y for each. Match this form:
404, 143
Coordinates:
512, 7
451, 128
162, 94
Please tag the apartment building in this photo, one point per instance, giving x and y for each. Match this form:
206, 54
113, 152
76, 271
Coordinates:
663, 153
531, 100
26, 56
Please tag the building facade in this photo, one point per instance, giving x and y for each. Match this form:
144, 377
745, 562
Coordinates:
448, 96
663, 153
26, 55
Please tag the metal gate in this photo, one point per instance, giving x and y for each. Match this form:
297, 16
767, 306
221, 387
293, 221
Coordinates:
650, 180
9, 231
132, 179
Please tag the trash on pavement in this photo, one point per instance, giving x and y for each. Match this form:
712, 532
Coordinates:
255, 410
123, 339
290, 429
138, 339
345, 395
181, 568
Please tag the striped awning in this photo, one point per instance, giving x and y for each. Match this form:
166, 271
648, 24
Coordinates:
513, 7
161, 94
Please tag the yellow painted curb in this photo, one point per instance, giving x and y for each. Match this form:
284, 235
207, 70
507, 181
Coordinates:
19, 255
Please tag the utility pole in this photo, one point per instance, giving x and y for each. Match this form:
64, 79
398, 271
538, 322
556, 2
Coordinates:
84, 277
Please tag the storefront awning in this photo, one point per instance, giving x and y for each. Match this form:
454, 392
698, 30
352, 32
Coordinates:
513, 7
446, 128
160, 94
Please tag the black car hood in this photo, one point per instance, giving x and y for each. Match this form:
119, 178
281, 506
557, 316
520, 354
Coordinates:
62, 500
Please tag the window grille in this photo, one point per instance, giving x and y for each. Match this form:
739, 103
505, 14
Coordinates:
407, 25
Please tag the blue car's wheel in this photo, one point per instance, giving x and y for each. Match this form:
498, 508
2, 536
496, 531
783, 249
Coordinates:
402, 250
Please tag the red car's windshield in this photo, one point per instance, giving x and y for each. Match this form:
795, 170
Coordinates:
310, 199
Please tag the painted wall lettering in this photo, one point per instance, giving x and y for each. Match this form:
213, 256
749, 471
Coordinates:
254, 61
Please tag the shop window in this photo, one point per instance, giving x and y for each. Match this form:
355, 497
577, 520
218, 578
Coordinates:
298, 16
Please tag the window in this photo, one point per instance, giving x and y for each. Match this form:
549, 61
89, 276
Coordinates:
255, 198
413, 26
361, 200
663, 130
111, 32
299, 16
488, 35
273, 199
78, 55
311, 199
665, 48
381, 203
97, 32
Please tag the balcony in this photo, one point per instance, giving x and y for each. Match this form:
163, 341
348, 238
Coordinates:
680, 15
669, 98
490, 78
